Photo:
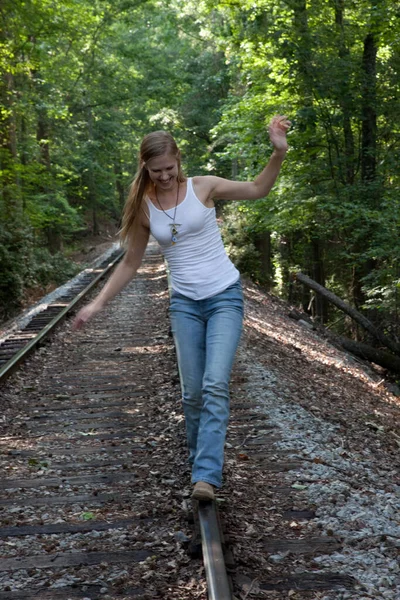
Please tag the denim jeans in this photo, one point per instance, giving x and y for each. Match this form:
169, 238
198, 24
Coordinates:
206, 334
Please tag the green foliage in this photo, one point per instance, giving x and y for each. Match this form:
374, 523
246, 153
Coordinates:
307, 60
53, 211
11, 283
15, 255
88, 516
50, 268
239, 239
84, 81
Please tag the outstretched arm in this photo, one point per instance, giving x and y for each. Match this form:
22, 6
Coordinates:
122, 275
225, 189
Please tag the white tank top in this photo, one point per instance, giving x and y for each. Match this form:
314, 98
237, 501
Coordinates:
198, 263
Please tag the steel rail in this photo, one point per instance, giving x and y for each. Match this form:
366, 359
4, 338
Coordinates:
217, 579
10, 366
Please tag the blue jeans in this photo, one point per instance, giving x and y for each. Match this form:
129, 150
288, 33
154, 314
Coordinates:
206, 334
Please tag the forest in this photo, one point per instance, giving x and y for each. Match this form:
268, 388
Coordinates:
82, 82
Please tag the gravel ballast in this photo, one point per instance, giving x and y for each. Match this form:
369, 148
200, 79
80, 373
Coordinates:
324, 440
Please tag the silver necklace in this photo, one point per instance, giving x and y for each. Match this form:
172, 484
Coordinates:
174, 226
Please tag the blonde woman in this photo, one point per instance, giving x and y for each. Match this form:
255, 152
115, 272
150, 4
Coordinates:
206, 305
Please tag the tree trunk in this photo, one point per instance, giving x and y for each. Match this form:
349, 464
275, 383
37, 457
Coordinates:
8, 151
321, 305
24, 155
345, 98
42, 137
354, 314
284, 260
234, 168
303, 61
379, 357
119, 187
54, 238
263, 245
91, 177
307, 298
368, 158
369, 128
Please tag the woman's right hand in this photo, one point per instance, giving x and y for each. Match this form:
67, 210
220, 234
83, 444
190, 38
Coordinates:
85, 314
278, 129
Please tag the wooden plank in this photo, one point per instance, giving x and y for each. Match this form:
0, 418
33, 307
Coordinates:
244, 406
257, 460
310, 581
262, 441
51, 528
82, 466
245, 427
117, 414
79, 390
240, 443
54, 399
43, 453
280, 467
95, 406
85, 376
91, 499
286, 492
298, 515
250, 417
51, 428
7, 484
120, 435
91, 591
93, 436
73, 559
302, 546
261, 457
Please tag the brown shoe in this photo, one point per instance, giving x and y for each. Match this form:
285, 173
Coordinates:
203, 491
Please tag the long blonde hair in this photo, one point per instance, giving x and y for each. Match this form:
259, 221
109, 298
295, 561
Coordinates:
153, 144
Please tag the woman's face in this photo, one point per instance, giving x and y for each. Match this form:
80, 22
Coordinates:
163, 171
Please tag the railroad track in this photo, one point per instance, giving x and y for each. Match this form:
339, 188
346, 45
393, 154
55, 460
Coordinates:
95, 495
15, 347
72, 462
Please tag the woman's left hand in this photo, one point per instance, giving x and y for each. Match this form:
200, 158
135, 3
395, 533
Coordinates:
278, 127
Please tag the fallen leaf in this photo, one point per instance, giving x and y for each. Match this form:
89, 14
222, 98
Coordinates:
243, 456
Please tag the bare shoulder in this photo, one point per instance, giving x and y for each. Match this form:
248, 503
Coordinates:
204, 182
204, 187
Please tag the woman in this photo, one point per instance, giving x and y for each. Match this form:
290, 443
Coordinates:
206, 307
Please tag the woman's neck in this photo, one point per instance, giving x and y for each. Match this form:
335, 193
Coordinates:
166, 199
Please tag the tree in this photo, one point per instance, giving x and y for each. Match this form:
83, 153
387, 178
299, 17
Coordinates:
81, 83
330, 67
